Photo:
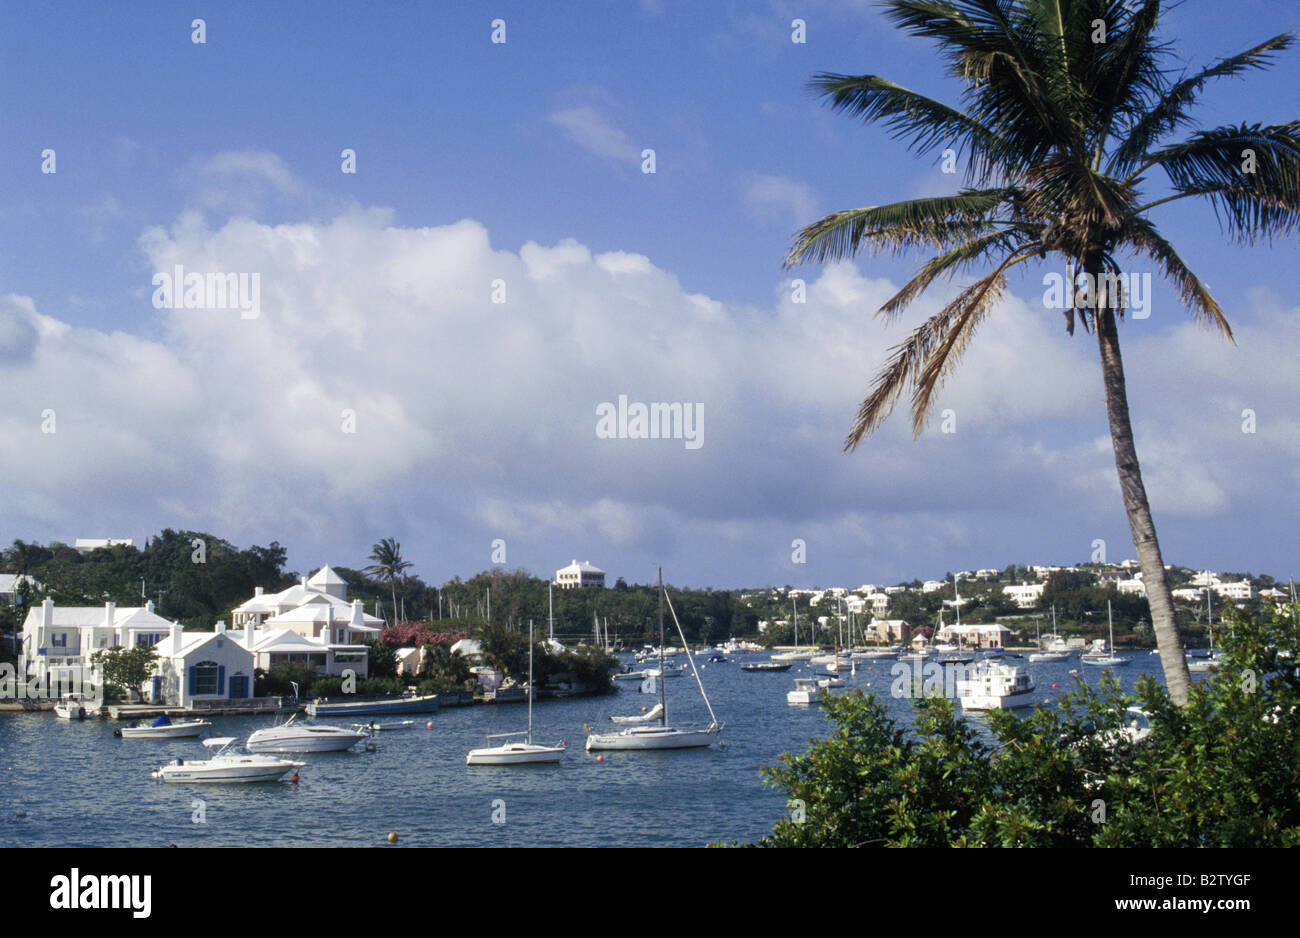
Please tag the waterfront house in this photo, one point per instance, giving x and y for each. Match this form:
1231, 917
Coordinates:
309, 607
1026, 595
195, 668
408, 660
58, 641
887, 631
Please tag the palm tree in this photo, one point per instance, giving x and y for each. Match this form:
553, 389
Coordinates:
389, 565
1066, 110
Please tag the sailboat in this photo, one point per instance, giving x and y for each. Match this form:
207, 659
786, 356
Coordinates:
1058, 650
795, 655
1200, 664
1106, 658
662, 736
518, 753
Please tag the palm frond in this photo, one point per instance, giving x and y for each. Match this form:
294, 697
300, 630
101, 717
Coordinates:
1170, 111
1144, 237
954, 260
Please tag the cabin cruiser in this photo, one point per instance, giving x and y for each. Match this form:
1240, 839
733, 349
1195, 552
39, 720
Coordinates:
993, 686
806, 691
226, 765
292, 736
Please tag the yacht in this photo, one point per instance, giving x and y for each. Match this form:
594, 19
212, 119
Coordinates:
226, 765
292, 736
519, 752
994, 686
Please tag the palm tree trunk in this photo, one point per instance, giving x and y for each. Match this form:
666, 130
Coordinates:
1134, 492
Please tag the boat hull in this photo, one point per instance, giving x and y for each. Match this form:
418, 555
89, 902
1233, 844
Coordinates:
236, 770
324, 742
659, 738
516, 754
987, 702
175, 731
359, 708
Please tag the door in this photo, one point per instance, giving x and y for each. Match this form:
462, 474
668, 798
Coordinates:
239, 687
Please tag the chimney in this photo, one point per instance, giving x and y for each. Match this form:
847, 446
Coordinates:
47, 616
303, 581
257, 591
176, 636
110, 613
148, 606
221, 627
248, 633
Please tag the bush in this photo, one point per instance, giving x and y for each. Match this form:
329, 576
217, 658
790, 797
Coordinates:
1222, 771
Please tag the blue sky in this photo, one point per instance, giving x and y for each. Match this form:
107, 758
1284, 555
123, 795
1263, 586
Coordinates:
468, 152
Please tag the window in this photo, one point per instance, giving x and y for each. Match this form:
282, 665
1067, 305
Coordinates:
205, 677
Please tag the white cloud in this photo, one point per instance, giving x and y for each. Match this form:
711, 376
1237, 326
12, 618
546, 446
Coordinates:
765, 194
595, 133
476, 419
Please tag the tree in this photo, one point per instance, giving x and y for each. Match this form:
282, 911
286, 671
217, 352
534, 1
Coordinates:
125, 668
1063, 129
389, 565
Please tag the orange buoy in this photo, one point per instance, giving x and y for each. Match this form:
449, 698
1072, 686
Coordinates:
295, 778
429, 725
1053, 685
600, 758
392, 837
643, 709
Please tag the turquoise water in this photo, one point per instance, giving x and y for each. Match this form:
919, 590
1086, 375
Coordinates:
76, 784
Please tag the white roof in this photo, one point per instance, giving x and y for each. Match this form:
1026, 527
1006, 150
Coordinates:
9, 582
978, 627
325, 576
584, 567
188, 642
467, 647
135, 617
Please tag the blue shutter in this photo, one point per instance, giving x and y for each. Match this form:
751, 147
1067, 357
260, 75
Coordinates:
221, 680
194, 678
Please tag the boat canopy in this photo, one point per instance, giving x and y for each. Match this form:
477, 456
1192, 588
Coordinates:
163, 720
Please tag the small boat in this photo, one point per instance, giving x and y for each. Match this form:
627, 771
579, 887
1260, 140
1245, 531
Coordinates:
826, 682
518, 753
766, 666
648, 717
805, 691
226, 765
718, 659
994, 686
292, 736
629, 675
359, 708
70, 707
162, 728
373, 727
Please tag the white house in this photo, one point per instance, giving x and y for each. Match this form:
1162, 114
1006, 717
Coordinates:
1238, 592
1132, 587
579, 574
979, 635
1189, 595
85, 545
10, 583
271, 647
58, 642
196, 667
1026, 595
309, 607
931, 586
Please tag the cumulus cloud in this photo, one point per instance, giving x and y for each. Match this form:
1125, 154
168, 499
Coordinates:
386, 390
595, 133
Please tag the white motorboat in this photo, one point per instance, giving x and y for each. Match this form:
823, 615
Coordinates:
518, 753
373, 727
825, 682
292, 736
226, 765
71, 707
663, 736
163, 728
805, 691
994, 686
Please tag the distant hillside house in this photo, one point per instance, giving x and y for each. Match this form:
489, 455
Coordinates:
1238, 592
85, 545
579, 574
9, 584
887, 630
1026, 595
57, 642
1132, 587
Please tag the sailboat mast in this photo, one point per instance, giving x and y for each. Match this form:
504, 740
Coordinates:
663, 703
530, 682
550, 611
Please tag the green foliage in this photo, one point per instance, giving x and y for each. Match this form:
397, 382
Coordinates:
1223, 771
123, 670
443, 671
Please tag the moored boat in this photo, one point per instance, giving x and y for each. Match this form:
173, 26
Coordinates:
162, 728
358, 708
226, 765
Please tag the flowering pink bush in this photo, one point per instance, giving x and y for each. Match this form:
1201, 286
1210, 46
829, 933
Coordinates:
416, 634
